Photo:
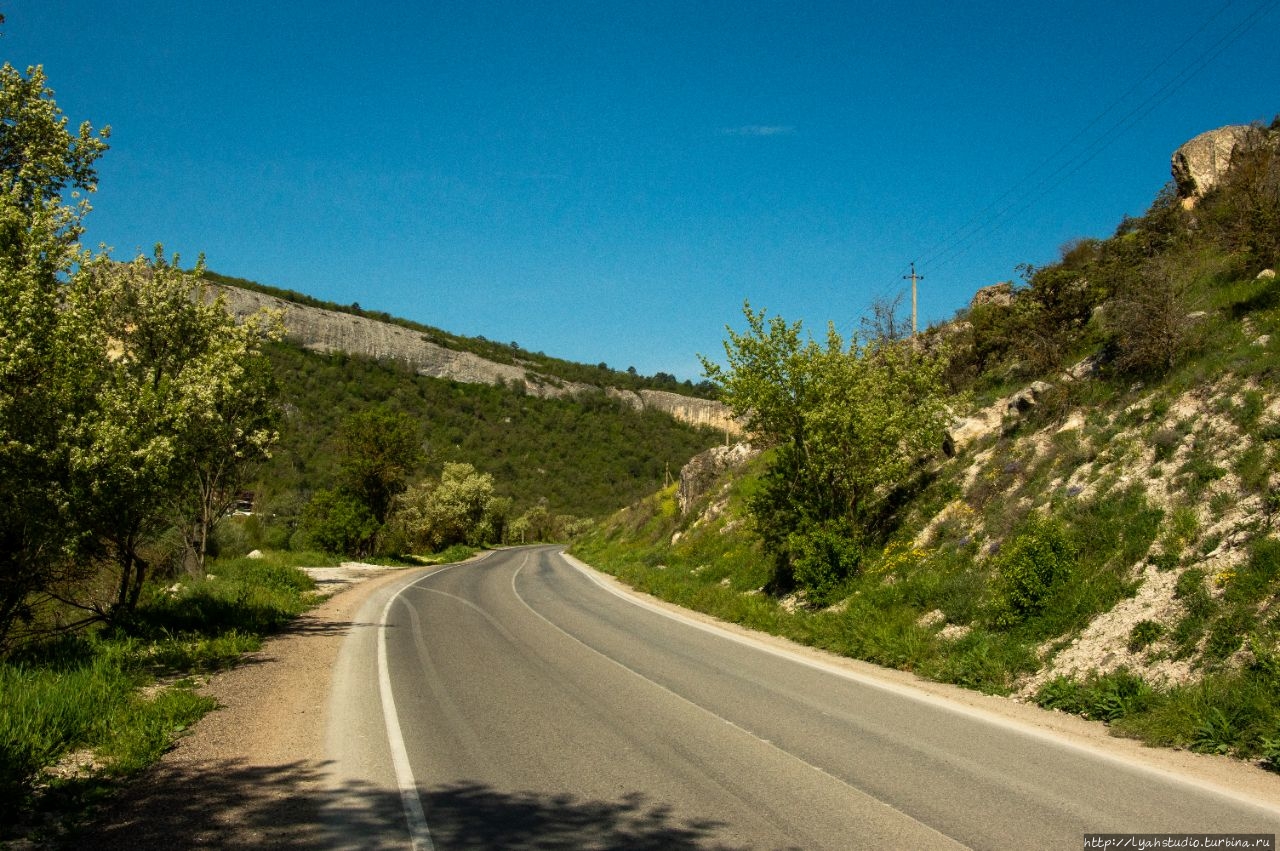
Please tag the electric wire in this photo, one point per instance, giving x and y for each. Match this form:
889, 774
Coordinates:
990, 218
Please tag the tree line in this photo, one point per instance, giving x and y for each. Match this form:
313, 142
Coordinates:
374, 509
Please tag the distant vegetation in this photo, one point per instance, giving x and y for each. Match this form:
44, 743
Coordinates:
553, 461
600, 375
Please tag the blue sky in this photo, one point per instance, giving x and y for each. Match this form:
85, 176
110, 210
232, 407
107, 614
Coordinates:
608, 181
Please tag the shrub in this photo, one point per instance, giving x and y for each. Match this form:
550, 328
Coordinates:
823, 556
1028, 570
1150, 320
339, 523
1106, 697
1216, 732
1144, 634
1270, 752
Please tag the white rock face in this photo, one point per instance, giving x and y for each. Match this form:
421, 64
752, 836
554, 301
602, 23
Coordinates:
1200, 164
702, 470
330, 331
1000, 295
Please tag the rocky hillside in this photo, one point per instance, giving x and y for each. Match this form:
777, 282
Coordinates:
1097, 530
322, 330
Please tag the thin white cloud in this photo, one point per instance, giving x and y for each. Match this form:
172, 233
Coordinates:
760, 130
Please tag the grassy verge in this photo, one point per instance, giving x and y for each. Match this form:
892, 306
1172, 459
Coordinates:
893, 612
984, 620
89, 708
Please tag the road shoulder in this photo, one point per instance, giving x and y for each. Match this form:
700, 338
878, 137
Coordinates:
252, 772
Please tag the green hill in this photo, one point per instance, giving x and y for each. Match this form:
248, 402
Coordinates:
583, 455
1099, 536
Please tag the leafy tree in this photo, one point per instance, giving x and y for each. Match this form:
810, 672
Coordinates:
182, 407
378, 448
849, 424
338, 522
39, 157
113, 377
459, 509
40, 162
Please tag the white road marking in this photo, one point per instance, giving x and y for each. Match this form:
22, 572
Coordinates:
415, 818
947, 841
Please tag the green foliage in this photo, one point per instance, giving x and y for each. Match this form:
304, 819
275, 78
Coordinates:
1243, 213
377, 447
1029, 569
39, 162
584, 455
1151, 319
84, 691
128, 402
1106, 697
1215, 733
823, 556
851, 424
1269, 750
1144, 634
180, 407
459, 509
339, 522
39, 157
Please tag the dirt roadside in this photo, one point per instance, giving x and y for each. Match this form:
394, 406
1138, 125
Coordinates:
251, 773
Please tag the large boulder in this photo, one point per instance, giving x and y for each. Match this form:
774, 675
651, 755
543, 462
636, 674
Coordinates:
1200, 164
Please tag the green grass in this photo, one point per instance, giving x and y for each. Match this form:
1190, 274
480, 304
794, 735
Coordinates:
123, 692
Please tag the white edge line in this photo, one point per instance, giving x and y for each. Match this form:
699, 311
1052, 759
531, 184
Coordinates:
416, 819
414, 815
774, 746
919, 696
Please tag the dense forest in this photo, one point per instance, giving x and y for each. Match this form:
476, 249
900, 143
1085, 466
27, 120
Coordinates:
585, 455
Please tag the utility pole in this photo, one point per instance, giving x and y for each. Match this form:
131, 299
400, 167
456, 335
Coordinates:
914, 277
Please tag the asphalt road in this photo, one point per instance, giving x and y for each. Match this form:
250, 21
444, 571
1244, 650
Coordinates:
516, 701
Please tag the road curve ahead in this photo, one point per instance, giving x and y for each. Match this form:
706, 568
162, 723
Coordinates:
526, 704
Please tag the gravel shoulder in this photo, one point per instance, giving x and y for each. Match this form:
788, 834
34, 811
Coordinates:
252, 772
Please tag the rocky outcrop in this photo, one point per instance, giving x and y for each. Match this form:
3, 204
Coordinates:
697, 476
321, 330
1200, 164
698, 412
1000, 295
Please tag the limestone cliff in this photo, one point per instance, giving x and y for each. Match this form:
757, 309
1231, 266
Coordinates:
330, 331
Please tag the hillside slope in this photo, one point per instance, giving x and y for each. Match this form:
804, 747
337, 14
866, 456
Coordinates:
431, 354
1100, 535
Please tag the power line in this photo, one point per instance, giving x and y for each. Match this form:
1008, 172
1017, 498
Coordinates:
1093, 149
956, 243
977, 218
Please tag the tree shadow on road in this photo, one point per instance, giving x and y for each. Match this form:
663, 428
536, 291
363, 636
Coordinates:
472, 815
233, 805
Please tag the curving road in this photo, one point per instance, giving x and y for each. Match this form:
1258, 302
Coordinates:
519, 701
